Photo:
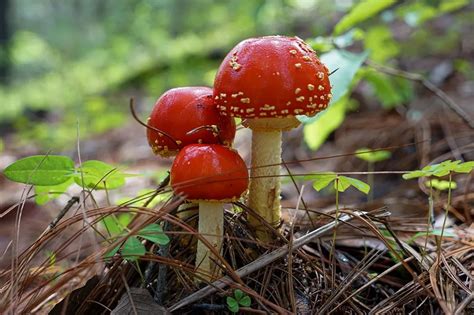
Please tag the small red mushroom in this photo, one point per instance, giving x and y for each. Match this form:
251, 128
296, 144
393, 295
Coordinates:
210, 175
188, 115
268, 81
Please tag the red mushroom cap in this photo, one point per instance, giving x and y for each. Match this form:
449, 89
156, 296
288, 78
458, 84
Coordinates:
272, 76
209, 172
181, 110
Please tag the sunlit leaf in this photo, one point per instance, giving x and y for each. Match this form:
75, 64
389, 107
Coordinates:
465, 167
361, 12
322, 180
41, 170
415, 174
317, 131
441, 184
373, 156
342, 183
356, 183
99, 175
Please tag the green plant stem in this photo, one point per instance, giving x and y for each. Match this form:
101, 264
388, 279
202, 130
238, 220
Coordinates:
370, 181
428, 223
445, 216
333, 247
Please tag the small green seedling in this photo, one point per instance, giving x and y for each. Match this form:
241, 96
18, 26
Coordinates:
446, 168
133, 248
372, 157
441, 169
239, 299
341, 183
51, 175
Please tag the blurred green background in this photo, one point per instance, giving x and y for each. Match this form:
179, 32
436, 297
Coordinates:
70, 62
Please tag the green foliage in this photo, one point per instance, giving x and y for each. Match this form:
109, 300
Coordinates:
53, 174
361, 12
379, 41
441, 169
45, 194
441, 184
317, 131
239, 299
133, 248
318, 128
417, 13
341, 183
373, 156
116, 224
390, 91
42, 170
154, 233
99, 175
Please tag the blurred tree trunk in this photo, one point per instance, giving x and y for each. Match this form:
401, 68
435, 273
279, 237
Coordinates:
5, 36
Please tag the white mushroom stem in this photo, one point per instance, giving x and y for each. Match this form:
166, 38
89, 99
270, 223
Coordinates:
211, 227
264, 192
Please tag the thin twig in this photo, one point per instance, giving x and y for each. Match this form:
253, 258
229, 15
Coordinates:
63, 211
135, 116
428, 85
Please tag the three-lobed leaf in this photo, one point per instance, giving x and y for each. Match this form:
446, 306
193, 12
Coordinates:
41, 170
239, 299
341, 183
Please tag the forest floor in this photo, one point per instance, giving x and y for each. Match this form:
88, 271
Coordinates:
389, 259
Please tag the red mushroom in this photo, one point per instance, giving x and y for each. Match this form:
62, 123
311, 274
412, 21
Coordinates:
209, 174
188, 115
268, 81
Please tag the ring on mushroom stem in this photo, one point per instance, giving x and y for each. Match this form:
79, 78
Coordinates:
268, 81
209, 174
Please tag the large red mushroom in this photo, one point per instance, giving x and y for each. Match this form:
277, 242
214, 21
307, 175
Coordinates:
268, 81
210, 175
